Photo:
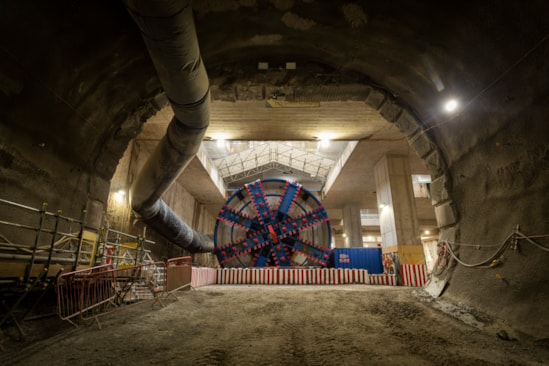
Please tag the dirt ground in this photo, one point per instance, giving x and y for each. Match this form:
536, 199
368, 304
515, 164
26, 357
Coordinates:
287, 325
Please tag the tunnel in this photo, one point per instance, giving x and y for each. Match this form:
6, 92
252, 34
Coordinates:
337, 96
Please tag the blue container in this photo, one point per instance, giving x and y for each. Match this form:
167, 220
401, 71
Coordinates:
358, 258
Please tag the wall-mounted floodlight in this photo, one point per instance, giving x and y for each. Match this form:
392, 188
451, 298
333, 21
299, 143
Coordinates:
119, 195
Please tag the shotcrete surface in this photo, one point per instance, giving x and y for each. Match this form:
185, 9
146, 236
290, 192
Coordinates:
289, 325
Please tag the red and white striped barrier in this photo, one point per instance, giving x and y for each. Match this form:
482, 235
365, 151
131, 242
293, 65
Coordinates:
290, 276
203, 276
413, 275
383, 279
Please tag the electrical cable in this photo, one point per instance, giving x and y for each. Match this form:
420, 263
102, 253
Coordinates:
505, 72
476, 245
522, 236
537, 236
493, 260
490, 260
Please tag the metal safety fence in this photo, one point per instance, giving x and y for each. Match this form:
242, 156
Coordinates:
69, 291
100, 290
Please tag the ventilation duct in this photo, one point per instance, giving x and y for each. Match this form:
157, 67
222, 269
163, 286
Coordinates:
167, 27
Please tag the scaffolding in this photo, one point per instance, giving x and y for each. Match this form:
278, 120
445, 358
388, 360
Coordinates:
38, 246
34, 241
122, 249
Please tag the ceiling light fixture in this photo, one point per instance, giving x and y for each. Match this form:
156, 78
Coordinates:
220, 139
291, 66
324, 139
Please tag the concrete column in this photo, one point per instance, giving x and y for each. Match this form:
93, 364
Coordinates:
352, 226
399, 227
395, 197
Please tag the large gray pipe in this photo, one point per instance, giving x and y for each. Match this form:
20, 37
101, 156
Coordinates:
168, 29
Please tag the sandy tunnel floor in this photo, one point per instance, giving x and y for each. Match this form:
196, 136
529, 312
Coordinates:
287, 325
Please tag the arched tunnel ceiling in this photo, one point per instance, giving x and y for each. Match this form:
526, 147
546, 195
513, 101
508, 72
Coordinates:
78, 55
70, 57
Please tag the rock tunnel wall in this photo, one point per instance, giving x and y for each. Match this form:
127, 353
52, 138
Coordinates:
490, 170
498, 158
65, 110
